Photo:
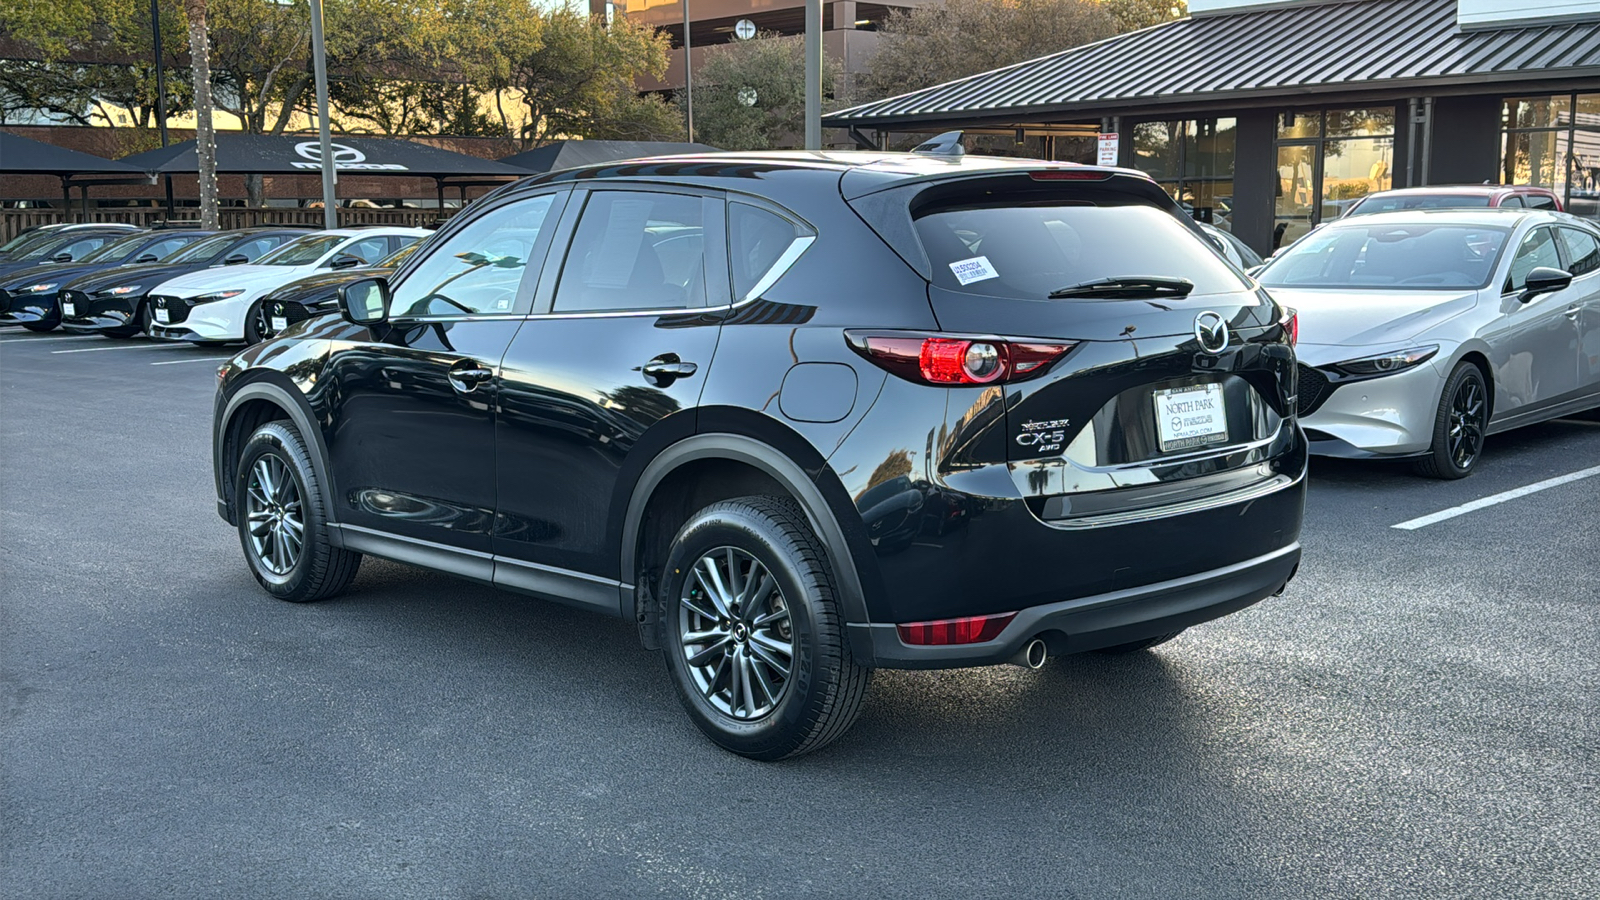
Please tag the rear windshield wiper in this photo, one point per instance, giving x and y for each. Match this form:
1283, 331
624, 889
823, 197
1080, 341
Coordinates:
1133, 286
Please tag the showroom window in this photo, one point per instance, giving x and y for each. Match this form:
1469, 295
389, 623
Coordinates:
1327, 160
1554, 141
1193, 160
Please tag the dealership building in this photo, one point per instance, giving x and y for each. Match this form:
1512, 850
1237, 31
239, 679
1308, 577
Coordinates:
1266, 117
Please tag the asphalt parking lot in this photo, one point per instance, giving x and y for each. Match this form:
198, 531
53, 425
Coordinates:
1417, 716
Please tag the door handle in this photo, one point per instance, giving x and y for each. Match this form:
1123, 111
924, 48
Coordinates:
466, 375
667, 368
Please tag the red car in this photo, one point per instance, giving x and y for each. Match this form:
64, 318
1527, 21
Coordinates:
1457, 196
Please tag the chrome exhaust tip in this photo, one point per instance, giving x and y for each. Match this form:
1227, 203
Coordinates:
1033, 655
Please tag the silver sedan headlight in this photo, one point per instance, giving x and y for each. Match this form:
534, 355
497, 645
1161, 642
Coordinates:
1386, 363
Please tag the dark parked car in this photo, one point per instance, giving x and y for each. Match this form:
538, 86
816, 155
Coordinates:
113, 302
684, 392
36, 297
317, 295
38, 233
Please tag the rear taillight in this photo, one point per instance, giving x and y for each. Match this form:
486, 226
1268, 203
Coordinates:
957, 360
968, 630
1291, 325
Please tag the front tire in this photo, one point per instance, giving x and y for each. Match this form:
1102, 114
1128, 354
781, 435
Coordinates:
1458, 426
283, 527
752, 634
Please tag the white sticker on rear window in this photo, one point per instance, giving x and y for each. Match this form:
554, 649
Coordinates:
974, 269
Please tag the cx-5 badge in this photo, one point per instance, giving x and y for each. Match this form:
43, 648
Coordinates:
1211, 331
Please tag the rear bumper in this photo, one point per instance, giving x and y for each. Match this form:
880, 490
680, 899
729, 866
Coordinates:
1103, 620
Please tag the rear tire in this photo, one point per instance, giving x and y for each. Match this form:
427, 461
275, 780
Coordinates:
751, 631
1136, 646
283, 527
1458, 426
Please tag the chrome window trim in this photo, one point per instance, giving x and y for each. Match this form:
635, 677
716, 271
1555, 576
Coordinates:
786, 259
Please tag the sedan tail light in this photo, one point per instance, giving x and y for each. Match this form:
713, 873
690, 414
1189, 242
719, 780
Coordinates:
957, 359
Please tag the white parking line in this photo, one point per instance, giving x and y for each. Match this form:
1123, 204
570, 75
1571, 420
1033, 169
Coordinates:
1493, 499
179, 362
66, 337
127, 347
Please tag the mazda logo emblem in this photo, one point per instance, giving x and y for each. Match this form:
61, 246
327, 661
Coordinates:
1211, 330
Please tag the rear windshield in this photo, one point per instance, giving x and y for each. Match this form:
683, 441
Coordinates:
1420, 201
1405, 256
1028, 251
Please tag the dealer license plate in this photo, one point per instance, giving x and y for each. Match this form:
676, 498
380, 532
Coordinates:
68, 309
279, 323
163, 316
1191, 417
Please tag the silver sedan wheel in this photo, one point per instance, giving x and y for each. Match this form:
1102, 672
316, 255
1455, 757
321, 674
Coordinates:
275, 514
736, 634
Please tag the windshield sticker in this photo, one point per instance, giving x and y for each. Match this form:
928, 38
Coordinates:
974, 269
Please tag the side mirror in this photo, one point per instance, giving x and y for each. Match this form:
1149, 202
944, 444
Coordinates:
1544, 280
235, 259
146, 257
346, 261
364, 302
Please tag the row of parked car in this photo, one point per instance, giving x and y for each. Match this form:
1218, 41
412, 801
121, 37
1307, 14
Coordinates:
188, 284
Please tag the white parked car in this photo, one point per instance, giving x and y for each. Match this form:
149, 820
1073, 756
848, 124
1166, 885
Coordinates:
218, 305
1423, 332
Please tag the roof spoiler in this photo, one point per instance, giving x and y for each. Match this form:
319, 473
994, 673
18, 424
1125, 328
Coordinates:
947, 144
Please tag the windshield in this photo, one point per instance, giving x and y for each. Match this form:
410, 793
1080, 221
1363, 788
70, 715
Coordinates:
302, 251
1028, 252
1393, 202
1403, 256
204, 250
117, 249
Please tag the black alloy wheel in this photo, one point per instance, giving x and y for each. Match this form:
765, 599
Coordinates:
1459, 427
256, 326
751, 630
283, 527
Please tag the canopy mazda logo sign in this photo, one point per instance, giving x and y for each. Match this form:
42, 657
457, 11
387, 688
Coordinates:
345, 157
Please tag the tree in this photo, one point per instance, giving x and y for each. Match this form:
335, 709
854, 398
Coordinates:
89, 62
1135, 14
772, 67
933, 44
577, 77
205, 136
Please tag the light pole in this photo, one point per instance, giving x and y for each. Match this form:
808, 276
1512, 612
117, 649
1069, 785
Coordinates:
319, 65
813, 74
688, 75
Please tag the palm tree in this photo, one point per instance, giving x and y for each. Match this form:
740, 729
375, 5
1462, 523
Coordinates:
205, 135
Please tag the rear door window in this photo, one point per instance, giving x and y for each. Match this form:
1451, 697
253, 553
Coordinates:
1027, 251
635, 250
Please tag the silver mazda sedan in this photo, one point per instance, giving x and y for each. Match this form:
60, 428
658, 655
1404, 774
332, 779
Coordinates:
1423, 331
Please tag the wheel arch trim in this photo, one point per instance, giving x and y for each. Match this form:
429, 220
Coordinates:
757, 454
300, 415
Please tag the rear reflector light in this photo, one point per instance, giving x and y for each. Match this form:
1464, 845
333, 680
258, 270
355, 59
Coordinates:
1069, 175
968, 630
948, 359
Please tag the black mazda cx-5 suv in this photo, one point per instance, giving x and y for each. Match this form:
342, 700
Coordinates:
797, 416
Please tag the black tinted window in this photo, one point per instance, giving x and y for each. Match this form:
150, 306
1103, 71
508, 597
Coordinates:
635, 250
1029, 251
756, 241
1583, 251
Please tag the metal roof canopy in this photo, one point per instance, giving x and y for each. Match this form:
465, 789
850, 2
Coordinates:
1254, 58
567, 154
259, 154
